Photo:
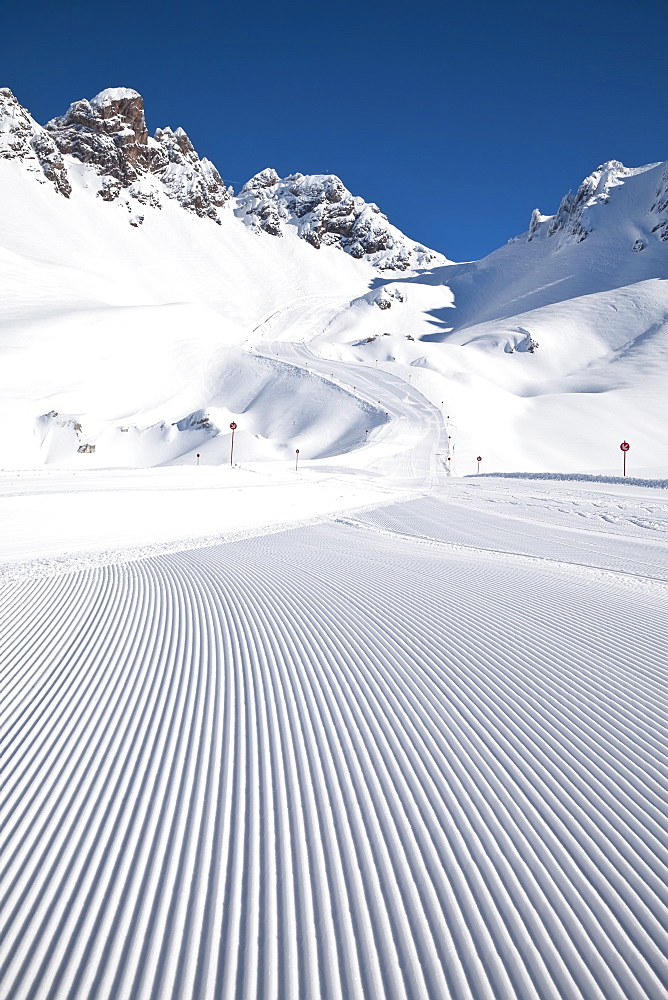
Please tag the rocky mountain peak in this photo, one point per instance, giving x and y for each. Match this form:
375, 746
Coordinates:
322, 211
193, 182
127, 166
265, 179
109, 135
108, 131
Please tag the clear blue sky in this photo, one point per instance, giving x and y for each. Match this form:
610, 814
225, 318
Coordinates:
456, 119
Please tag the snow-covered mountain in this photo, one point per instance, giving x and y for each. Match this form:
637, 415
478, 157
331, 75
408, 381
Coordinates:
108, 134
580, 214
552, 349
325, 213
125, 164
133, 277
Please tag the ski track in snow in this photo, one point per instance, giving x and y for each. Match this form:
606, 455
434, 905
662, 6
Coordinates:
304, 766
409, 753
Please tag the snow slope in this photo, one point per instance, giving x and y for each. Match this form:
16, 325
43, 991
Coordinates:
399, 754
552, 350
112, 331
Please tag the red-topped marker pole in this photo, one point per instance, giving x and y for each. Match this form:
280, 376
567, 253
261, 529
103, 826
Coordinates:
198, 458
479, 460
296, 458
624, 446
233, 427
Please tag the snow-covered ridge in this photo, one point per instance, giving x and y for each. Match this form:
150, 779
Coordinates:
108, 134
581, 213
324, 213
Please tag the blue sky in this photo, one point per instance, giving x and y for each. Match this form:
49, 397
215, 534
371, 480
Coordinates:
456, 119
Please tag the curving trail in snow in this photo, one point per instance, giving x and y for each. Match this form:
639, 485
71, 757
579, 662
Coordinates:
338, 763
411, 445
409, 753
301, 317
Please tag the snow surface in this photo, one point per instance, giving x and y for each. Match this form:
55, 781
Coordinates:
361, 729
417, 751
112, 94
371, 726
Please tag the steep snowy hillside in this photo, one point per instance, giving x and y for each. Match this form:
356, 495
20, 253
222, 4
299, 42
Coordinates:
551, 350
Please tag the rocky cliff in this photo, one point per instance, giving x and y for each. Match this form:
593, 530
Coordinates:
108, 134
324, 213
124, 164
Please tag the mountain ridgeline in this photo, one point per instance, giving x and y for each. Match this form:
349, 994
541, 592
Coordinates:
109, 135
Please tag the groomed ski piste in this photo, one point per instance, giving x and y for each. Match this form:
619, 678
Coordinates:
358, 729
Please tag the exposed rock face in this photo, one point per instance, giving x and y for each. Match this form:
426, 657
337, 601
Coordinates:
572, 216
325, 213
21, 138
109, 135
194, 183
127, 166
109, 132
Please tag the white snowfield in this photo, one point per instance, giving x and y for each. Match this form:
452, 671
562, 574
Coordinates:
413, 746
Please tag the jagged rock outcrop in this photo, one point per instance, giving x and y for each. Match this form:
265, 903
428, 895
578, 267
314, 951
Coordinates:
109, 135
571, 222
325, 213
659, 210
193, 182
21, 138
109, 132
